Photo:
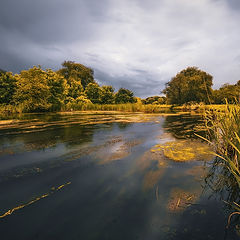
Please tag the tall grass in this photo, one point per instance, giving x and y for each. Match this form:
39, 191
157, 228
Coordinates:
127, 107
9, 110
6, 110
223, 131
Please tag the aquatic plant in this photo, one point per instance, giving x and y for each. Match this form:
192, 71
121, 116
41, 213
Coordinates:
184, 150
223, 130
223, 133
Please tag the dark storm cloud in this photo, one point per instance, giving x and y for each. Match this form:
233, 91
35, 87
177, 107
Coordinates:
55, 20
136, 44
234, 4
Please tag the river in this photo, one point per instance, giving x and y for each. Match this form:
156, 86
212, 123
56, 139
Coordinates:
108, 176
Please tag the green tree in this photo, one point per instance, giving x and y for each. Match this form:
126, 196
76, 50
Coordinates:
58, 89
76, 74
154, 100
93, 92
32, 90
107, 95
7, 87
124, 96
75, 88
83, 100
191, 84
228, 92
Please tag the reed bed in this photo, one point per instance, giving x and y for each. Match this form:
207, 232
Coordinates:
223, 132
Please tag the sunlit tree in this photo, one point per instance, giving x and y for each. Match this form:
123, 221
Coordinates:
107, 95
58, 89
93, 92
124, 96
154, 100
76, 74
227, 92
33, 91
191, 84
7, 87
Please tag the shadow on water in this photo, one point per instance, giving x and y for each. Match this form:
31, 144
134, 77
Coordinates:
86, 176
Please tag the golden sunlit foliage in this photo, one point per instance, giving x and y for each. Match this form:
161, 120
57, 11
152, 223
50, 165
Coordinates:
73, 87
191, 84
32, 90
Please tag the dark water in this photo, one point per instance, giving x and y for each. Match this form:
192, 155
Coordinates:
93, 176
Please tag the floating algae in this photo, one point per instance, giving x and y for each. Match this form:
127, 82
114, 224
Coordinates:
184, 150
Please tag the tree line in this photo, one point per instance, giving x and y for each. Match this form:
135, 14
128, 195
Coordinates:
193, 85
36, 89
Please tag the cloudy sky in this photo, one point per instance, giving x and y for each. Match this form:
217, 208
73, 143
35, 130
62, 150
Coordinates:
137, 44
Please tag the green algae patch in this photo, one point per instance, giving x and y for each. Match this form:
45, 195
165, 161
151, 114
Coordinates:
184, 150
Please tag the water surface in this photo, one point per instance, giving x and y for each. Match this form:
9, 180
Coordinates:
107, 176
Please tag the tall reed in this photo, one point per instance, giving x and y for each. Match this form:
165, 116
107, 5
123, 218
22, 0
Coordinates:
223, 132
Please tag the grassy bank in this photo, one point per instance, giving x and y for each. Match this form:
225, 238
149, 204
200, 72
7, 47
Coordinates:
128, 107
10, 110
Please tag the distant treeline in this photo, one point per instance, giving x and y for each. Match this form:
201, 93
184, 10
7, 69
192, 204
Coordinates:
193, 85
73, 87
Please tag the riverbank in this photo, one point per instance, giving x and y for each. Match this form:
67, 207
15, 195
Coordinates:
10, 111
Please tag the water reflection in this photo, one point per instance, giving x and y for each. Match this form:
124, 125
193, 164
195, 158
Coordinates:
120, 188
184, 125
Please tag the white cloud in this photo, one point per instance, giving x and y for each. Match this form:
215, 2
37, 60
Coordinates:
148, 41
166, 39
